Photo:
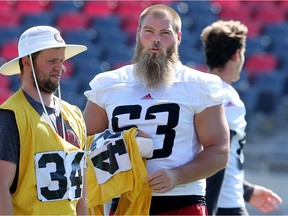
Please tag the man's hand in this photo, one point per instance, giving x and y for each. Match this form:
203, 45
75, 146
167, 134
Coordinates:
162, 180
264, 199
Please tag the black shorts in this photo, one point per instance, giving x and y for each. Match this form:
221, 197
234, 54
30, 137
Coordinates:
232, 211
160, 204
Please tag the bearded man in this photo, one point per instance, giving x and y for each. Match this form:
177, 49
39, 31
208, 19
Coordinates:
180, 108
42, 137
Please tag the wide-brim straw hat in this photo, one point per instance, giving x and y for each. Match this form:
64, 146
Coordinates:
36, 39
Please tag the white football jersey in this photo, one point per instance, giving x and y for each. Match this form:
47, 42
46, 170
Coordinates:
231, 194
167, 114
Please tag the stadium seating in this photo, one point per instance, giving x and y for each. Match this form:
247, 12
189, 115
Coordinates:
256, 45
285, 85
270, 14
9, 50
107, 21
72, 21
29, 20
261, 63
6, 6
58, 7
235, 13
108, 29
32, 7
4, 82
9, 33
5, 90
5, 93
99, 8
9, 19
255, 28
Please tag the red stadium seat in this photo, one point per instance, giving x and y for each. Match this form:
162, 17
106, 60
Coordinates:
69, 69
72, 21
129, 12
283, 4
131, 8
4, 82
261, 63
235, 13
4, 94
254, 29
270, 15
130, 26
99, 9
10, 50
9, 19
32, 7
6, 6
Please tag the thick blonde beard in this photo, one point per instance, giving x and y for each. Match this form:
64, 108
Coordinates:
155, 70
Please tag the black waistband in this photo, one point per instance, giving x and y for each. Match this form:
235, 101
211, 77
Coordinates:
168, 203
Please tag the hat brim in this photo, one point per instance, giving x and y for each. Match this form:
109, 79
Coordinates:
12, 67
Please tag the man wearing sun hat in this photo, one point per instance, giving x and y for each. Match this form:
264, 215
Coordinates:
41, 137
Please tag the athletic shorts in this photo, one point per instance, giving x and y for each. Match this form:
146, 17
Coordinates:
173, 205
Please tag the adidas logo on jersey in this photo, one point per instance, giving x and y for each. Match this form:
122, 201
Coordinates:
229, 104
147, 96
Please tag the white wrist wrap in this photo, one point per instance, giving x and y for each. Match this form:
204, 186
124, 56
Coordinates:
145, 146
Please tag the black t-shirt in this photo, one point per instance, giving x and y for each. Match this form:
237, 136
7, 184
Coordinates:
9, 137
9, 141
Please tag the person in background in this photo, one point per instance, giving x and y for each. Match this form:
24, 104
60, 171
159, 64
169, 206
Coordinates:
180, 108
42, 137
224, 45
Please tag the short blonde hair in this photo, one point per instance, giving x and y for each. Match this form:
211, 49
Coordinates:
162, 10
